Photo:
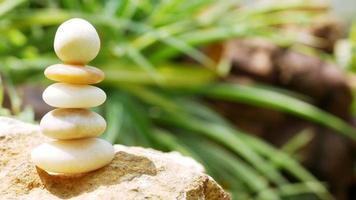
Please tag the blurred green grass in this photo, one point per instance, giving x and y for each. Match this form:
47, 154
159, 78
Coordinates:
156, 100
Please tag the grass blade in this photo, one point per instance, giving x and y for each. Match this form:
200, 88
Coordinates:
273, 100
280, 159
298, 141
226, 138
9, 5
241, 170
284, 161
115, 117
141, 61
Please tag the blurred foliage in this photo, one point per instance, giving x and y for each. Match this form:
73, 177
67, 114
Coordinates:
346, 51
155, 97
345, 55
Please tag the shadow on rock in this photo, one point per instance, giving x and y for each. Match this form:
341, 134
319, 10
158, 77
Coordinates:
124, 167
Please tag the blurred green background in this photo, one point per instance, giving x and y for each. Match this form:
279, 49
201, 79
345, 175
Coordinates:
259, 92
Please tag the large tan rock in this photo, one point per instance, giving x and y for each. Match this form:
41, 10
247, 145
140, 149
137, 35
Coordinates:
135, 173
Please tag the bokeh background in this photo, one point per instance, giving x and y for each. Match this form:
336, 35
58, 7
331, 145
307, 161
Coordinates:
260, 92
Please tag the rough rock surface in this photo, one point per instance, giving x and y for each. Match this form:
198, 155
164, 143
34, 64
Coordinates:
135, 173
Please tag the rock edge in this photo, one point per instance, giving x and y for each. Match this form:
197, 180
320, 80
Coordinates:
135, 173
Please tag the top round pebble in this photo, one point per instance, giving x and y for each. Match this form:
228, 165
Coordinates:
76, 42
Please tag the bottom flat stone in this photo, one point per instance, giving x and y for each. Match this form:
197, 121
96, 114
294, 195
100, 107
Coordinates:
73, 156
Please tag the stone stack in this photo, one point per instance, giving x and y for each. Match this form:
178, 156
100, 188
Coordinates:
72, 126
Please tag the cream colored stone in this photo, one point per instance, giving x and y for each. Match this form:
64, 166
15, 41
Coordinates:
72, 123
73, 156
74, 74
65, 95
76, 41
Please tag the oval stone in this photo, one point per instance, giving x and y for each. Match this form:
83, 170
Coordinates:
72, 123
65, 95
74, 74
76, 41
73, 156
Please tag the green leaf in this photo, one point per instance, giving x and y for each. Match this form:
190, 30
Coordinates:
273, 100
280, 159
284, 161
241, 171
299, 141
114, 116
226, 138
8, 5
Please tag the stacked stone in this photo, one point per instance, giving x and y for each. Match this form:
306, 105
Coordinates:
74, 128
